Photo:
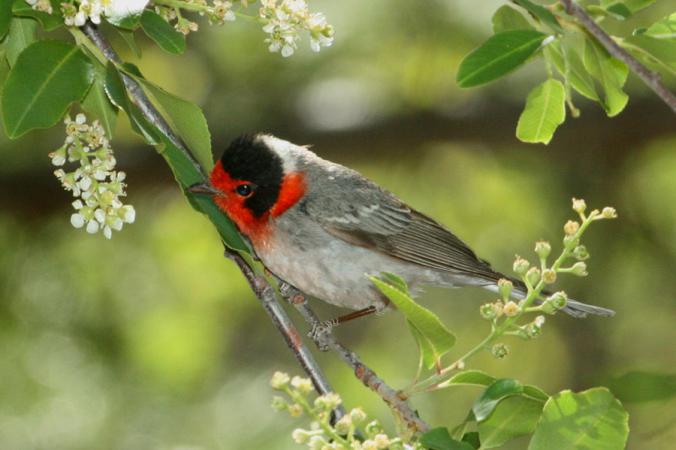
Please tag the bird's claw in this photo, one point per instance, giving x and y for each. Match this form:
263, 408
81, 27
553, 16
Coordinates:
320, 332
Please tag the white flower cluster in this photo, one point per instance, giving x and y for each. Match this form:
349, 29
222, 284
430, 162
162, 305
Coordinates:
283, 22
95, 184
322, 435
76, 13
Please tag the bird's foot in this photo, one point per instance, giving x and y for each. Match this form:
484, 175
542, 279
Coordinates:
320, 332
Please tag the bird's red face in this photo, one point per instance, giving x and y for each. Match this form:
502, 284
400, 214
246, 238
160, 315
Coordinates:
253, 188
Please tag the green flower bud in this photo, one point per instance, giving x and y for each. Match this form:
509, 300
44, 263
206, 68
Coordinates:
579, 205
487, 311
533, 275
579, 269
500, 351
358, 415
571, 241
521, 265
558, 300
505, 287
278, 403
580, 253
549, 276
543, 249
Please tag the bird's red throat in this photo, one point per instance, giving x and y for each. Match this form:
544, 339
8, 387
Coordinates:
257, 228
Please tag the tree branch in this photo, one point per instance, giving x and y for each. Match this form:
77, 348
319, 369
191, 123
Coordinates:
365, 374
264, 292
650, 78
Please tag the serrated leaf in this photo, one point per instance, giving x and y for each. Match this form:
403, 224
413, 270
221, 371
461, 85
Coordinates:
164, 35
611, 74
541, 13
5, 17
492, 395
513, 417
97, 103
440, 439
577, 75
22, 33
47, 77
499, 55
49, 22
663, 29
439, 338
545, 110
186, 119
641, 386
591, 419
507, 18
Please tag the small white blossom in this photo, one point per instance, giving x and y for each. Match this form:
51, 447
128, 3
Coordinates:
279, 380
96, 185
303, 385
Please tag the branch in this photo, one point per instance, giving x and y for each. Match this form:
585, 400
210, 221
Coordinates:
365, 374
264, 292
650, 78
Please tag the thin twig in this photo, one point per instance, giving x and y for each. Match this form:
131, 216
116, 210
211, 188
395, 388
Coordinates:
264, 292
650, 78
365, 374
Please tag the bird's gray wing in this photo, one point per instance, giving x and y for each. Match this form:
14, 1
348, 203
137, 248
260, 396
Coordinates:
360, 212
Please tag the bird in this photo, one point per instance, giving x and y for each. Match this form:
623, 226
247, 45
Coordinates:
323, 228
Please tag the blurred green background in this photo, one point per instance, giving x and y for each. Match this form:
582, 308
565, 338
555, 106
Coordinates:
153, 341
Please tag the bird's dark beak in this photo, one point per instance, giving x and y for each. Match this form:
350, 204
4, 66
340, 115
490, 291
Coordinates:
204, 188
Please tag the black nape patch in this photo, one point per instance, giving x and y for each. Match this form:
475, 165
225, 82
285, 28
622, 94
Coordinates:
249, 159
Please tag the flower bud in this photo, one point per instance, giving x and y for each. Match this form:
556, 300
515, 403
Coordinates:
571, 227
549, 276
498, 307
279, 380
609, 213
303, 385
505, 287
328, 401
301, 436
344, 424
557, 300
521, 265
278, 403
295, 410
579, 269
579, 205
511, 309
543, 249
533, 275
532, 331
487, 311
580, 253
500, 351
358, 415
382, 441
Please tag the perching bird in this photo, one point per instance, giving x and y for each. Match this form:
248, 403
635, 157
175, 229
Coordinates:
323, 227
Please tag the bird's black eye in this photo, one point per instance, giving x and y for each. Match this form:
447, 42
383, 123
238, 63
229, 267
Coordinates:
244, 190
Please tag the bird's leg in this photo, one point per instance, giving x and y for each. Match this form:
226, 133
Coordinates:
325, 327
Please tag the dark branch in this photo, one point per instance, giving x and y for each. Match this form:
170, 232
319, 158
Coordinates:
650, 78
361, 371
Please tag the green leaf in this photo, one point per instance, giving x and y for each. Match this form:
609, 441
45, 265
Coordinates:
22, 33
507, 18
577, 75
439, 339
97, 103
663, 29
164, 35
545, 110
131, 22
541, 13
492, 395
513, 417
632, 5
611, 74
47, 77
535, 392
471, 377
472, 438
428, 356
640, 386
499, 55
439, 439
592, 419
662, 52
49, 22
186, 119
117, 93
128, 37
619, 11
5, 17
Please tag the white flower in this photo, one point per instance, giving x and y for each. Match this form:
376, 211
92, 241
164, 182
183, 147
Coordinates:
279, 380
300, 436
92, 227
77, 220
117, 10
285, 21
